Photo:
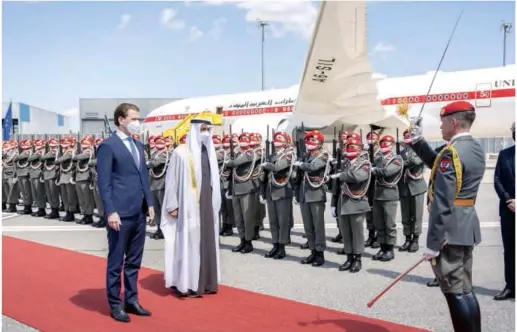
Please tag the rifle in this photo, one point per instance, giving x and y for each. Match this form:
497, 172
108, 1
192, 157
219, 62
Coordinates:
397, 144
301, 151
148, 145
263, 185
230, 173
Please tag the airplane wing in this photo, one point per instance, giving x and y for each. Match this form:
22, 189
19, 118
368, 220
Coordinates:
337, 85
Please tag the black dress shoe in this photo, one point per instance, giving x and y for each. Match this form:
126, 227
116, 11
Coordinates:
136, 309
505, 294
433, 283
407, 243
120, 315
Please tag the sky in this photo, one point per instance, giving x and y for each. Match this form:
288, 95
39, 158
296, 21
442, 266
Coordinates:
57, 52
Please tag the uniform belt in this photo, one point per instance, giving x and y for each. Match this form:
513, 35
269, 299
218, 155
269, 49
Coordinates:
464, 202
315, 178
356, 192
282, 179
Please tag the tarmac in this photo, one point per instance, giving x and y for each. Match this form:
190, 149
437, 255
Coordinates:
409, 302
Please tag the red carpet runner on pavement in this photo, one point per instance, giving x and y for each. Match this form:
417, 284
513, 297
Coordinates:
53, 290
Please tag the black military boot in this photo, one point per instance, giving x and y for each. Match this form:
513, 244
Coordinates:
69, 216
304, 236
338, 238
433, 283
414, 246
305, 245
61, 207
309, 259
99, 224
81, 221
248, 247
272, 252
406, 244
347, 264
88, 219
4, 207
27, 209
389, 254
240, 246
12, 208
380, 253
375, 244
257, 233
54, 214
341, 251
40, 213
280, 254
371, 237
319, 260
356, 264
461, 316
475, 311
158, 235
226, 230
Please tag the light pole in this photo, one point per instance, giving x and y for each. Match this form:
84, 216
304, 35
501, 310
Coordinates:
506, 28
262, 26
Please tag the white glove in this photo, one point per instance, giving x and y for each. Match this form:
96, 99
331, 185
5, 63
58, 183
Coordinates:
296, 202
430, 254
416, 129
334, 176
262, 200
333, 211
374, 170
228, 196
297, 163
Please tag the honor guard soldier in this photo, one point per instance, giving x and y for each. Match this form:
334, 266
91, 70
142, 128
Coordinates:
339, 237
351, 204
388, 171
36, 177
157, 166
454, 229
9, 179
23, 175
279, 193
313, 196
66, 177
372, 138
222, 150
245, 194
50, 176
96, 196
255, 144
412, 189
5, 145
83, 180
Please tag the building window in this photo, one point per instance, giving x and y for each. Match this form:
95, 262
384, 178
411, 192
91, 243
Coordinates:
25, 113
60, 120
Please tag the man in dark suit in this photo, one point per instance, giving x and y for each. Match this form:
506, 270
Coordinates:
504, 183
126, 197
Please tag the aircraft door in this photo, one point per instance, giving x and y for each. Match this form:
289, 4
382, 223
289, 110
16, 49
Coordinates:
483, 97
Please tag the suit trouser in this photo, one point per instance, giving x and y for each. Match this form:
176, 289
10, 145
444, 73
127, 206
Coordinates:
38, 189
125, 248
52, 193
245, 211
158, 202
508, 236
280, 215
384, 214
453, 269
352, 230
412, 211
313, 216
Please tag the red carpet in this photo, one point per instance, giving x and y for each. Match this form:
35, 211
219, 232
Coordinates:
53, 289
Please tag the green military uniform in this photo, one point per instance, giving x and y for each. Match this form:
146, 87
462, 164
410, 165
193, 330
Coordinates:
312, 197
412, 189
37, 182
96, 195
67, 185
226, 203
157, 166
245, 195
22, 174
258, 178
388, 172
83, 186
10, 189
279, 198
50, 174
454, 227
372, 240
351, 205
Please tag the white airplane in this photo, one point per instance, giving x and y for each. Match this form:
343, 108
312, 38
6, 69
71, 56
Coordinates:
338, 87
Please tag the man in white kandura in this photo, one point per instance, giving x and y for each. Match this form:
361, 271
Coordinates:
190, 211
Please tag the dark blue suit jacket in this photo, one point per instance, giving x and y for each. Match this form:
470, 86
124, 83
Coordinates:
123, 187
504, 176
